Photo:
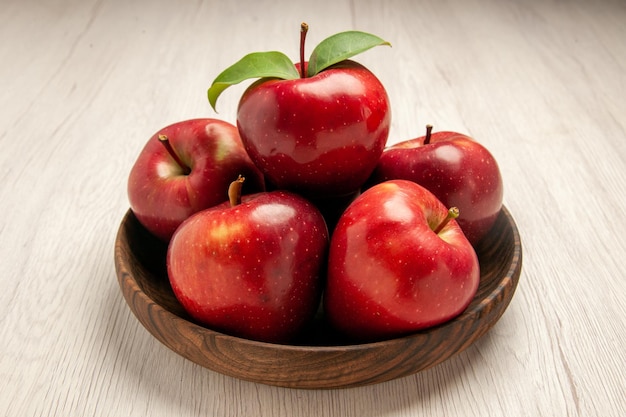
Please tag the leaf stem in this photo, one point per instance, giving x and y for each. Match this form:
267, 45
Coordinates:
168, 146
234, 191
304, 28
453, 213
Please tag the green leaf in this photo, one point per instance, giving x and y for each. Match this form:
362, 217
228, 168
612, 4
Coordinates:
255, 65
339, 47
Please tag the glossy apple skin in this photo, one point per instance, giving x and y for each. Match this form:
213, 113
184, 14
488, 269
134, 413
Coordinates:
162, 196
254, 270
389, 274
458, 170
319, 136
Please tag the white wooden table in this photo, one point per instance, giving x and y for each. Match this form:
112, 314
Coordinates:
83, 84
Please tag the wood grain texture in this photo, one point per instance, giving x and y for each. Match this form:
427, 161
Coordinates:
84, 83
320, 358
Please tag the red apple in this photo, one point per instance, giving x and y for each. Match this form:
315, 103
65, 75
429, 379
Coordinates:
184, 168
320, 135
251, 268
458, 170
316, 127
398, 263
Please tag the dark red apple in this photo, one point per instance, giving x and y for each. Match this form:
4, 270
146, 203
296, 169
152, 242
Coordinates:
398, 263
316, 128
457, 169
251, 268
184, 168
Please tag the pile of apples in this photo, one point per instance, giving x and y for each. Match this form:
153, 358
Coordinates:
302, 207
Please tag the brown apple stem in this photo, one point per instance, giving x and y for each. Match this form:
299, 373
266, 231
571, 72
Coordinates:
166, 142
234, 191
304, 28
429, 131
453, 213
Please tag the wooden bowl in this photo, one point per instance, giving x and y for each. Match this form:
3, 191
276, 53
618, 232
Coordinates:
321, 359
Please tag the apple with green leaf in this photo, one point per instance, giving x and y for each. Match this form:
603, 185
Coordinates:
253, 266
316, 127
457, 169
184, 168
398, 263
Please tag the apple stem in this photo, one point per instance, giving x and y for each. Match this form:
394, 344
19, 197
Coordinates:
453, 213
429, 131
168, 146
234, 191
304, 28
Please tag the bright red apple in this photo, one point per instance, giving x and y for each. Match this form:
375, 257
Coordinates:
184, 168
457, 169
251, 267
398, 263
316, 127
319, 135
